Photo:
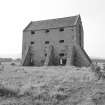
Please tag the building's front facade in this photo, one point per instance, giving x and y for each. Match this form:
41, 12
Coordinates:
54, 42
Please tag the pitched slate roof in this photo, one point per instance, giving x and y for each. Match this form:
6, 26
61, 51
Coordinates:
52, 23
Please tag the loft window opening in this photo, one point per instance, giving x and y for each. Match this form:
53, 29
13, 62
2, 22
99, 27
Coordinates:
61, 29
46, 31
32, 42
32, 32
61, 41
47, 42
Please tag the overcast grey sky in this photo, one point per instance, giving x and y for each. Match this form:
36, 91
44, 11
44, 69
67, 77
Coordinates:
16, 14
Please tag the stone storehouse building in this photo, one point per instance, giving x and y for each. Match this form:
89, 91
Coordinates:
54, 42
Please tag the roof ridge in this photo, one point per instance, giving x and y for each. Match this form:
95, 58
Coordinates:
53, 23
55, 18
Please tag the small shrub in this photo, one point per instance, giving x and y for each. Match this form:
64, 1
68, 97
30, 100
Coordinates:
60, 97
13, 64
98, 69
99, 98
1, 67
104, 67
98, 72
4, 92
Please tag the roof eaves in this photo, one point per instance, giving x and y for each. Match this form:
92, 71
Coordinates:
76, 19
27, 26
49, 28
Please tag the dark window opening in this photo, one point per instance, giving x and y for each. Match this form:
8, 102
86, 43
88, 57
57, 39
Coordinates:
47, 42
72, 29
61, 29
47, 31
61, 41
61, 54
32, 32
32, 42
45, 54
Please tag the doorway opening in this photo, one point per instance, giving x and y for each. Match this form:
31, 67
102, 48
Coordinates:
62, 60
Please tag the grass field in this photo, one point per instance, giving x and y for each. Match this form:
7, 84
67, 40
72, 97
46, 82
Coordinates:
50, 86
